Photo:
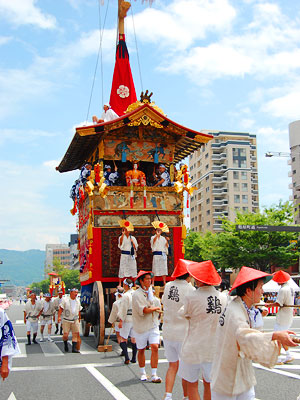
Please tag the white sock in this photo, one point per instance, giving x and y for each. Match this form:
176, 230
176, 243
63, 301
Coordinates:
153, 371
143, 371
168, 396
287, 353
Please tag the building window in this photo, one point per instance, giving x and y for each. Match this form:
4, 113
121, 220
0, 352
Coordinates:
207, 178
293, 159
294, 172
244, 175
244, 187
207, 189
245, 209
245, 198
236, 198
236, 187
206, 155
235, 175
207, 201
208, 224
239, 157
237, 208
208, 212
206, 166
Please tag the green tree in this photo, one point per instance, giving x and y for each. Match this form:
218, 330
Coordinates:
260, 250
71, 279
42, 286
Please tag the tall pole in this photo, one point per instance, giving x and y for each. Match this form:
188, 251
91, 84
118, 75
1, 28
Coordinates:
123, 7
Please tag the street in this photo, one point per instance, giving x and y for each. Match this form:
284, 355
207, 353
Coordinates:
44, 371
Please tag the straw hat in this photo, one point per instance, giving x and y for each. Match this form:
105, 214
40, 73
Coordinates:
281, 276
205, 272
160, 225
181, 267
247, 274
124, 223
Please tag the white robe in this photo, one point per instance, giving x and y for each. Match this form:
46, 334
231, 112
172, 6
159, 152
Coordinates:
128, 266
8, 342
160, 262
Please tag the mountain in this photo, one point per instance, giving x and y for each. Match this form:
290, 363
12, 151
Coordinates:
22, 267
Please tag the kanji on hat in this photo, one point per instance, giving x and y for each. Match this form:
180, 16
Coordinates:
124, 223
205, 272
142, 273
160, 225
281, 276
181, 267
247, 274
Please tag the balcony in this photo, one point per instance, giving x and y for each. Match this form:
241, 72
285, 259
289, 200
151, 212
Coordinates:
220, 203
220, 191
254, 192
219, 179
220, 214
290, 186
217, 227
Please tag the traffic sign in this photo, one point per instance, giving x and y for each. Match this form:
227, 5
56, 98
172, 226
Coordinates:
268, 228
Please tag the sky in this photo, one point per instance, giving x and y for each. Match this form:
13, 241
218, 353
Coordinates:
229, 65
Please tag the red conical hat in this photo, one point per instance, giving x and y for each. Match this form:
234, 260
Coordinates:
181, 267
247, 274
281, 276
205, 272
142, 273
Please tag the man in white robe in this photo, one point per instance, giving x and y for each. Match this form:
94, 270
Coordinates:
107, 115
128, 245
175, 325
159, 246
238, 344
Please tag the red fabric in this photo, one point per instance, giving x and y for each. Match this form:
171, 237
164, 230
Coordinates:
205, 272
247, 274
281, 277
181, 267
122, 89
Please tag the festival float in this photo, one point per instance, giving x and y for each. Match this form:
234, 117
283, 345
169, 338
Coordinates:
133, 147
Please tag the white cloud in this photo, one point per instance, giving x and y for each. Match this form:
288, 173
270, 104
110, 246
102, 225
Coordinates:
24, 12
285, 106
19, 136
5, 39
28, 216
182, 22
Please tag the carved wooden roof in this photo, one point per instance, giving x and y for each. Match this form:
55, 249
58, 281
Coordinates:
145, 120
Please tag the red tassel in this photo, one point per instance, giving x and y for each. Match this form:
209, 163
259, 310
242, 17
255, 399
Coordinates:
131, 202
145, 199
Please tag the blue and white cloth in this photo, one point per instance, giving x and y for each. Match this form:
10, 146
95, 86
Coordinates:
8, 342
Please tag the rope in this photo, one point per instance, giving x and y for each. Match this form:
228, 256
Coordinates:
137, 51
101, 30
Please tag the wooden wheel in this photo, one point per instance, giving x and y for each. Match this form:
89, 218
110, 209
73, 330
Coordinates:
98, 306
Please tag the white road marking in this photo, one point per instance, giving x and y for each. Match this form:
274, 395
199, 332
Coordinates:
19, 322
278, 371
112, 389
50, 349
23, 354
12, 396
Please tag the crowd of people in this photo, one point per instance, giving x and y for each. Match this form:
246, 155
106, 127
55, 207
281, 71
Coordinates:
209, 333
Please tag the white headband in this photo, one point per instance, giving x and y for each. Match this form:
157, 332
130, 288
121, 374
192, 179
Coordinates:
127, 283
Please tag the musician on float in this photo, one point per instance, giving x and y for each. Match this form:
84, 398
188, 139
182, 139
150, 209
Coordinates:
128, 246
159, 247
110, 177
163, 179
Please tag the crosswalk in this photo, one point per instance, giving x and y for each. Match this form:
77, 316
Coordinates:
52, 349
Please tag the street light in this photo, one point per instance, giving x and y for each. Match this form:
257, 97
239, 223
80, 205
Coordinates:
277, 154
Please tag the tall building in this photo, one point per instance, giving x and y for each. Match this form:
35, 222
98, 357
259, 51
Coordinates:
224, 171
294, 135
74, 254
59, 251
